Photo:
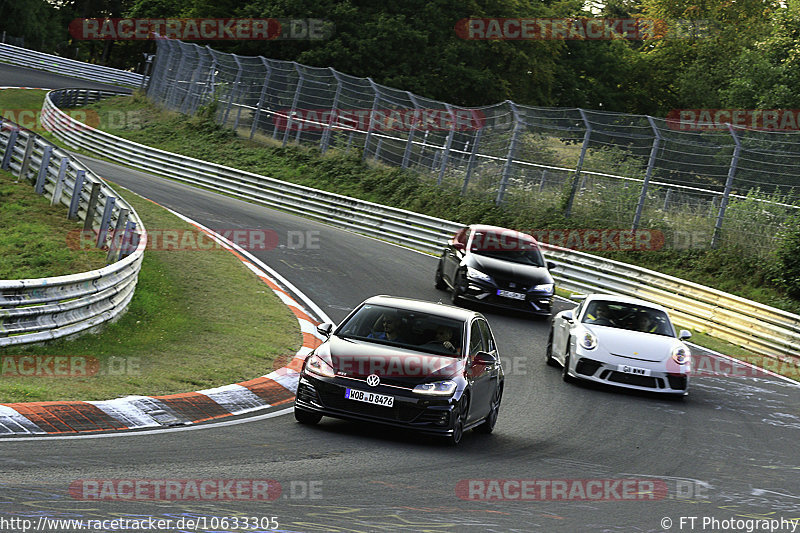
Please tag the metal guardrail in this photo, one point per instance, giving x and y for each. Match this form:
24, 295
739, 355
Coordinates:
69, 67
758, 327
37, 310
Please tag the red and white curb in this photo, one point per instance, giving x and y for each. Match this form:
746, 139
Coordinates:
135, 412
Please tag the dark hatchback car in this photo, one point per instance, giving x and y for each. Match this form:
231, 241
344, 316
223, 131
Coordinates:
426, 366
498, 267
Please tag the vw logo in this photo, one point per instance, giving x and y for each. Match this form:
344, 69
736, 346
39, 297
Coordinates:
373, 380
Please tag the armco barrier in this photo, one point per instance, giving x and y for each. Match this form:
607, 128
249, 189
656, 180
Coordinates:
760, 328
68, 67
36, 310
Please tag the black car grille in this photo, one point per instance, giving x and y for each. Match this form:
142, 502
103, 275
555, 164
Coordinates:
677, 382
333, 397
587, 367
633, 379
306, 393
507, 285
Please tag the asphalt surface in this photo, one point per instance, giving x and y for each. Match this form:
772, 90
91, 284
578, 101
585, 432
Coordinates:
728, 451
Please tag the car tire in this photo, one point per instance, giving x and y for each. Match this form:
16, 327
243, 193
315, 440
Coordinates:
438, 279
306, 417
548, 351
491, 419
565, 371
459, 417
455, 296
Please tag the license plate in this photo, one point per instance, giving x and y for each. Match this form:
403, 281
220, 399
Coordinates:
369, 397
633, 370
509, 294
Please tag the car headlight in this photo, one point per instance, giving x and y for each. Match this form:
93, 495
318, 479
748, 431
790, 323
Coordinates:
317, 365
547, 287
437, 388
681, 355
477, 274
588, 340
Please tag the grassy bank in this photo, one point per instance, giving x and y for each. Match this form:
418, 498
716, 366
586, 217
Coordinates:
184, 330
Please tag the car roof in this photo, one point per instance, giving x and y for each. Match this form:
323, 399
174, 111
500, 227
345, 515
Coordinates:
423, 306
624, 299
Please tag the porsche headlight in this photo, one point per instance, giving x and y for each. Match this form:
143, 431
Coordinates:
317, 365
436, 388
681, 355
588, 340
473, 273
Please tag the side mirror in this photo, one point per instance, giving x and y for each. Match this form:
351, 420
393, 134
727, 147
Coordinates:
685, 334
459, 246
325, 329
550, 265
484, 358
569, 316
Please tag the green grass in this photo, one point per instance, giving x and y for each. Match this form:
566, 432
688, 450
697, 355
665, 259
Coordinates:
198, 319
37, 240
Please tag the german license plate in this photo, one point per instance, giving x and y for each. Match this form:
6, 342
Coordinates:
510, 294
633, 370
369, 397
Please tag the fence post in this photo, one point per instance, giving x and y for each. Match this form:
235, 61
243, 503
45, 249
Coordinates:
75, 201
257, 115
12, 142
728, 186
62, 175
650, 163
109, 208
170, 96
411, 132
448, 144
326, 134
471, 164
512, 148
576, 178
94, 197
41, 178
26, 159
666, 198
297, 90
371, 116
233, 90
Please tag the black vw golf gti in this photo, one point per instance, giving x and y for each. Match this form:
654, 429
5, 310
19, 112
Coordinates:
408, 363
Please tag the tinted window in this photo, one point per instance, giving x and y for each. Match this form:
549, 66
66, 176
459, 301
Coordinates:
628, 316
475, 339
507, 247
488, 340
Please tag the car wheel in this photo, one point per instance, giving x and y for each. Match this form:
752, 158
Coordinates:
548, 354
459, 416
491, 419
439, 280
455, 297
565, 372
306, 417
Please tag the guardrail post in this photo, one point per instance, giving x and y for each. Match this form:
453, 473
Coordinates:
412, 131
109, 208
576, 178
75, 201
12, 141
512, 148
26, 159
371, 115
326, 135
448, 144
298, 88
62, 175
728, 186
471, 163
648, 173
41, 178
94, 197
126, 246
116, 237
257, 115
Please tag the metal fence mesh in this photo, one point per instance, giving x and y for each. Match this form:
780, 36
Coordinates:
701, 187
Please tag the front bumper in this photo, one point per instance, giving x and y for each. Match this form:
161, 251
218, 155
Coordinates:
538, 303
326, 396
608, 372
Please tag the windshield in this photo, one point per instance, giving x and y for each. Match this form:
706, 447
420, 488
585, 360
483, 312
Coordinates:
507, 248
408, 329
628, 316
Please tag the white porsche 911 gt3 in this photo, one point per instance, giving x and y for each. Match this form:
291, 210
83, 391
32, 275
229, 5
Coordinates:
620, 341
